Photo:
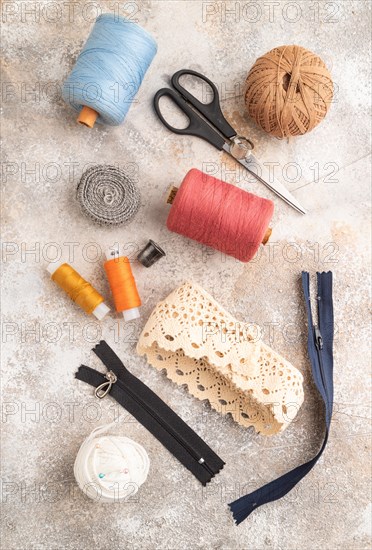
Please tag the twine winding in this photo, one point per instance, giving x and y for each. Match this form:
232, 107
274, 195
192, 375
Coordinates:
108, 196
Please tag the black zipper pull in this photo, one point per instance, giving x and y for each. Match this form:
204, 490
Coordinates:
103, 389
318, 338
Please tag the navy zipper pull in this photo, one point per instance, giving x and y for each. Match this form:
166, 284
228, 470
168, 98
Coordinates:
318, 338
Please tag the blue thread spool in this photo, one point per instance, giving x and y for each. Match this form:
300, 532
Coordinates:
109, 70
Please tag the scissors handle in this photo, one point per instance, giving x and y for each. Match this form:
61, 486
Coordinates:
211, 111
197, 126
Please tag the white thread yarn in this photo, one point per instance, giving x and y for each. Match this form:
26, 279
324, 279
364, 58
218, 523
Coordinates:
110, 468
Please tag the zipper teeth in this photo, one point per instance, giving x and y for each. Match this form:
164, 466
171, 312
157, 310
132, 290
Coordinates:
165, 426
319, 305
318, 301
321, 369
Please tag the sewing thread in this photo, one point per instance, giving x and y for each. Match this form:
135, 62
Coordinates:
78, 289
109, 70
123, 287
220, 215
110, 468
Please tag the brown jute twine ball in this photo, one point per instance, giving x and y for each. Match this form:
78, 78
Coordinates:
288, 91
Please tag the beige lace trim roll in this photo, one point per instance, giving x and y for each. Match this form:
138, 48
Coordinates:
201, 345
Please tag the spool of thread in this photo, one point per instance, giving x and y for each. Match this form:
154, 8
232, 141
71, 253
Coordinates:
110, 468
78, 289
107, 195
123, 285
109, 70
288, 91
220, 215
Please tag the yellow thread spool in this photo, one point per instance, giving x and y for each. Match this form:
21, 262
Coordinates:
78, 289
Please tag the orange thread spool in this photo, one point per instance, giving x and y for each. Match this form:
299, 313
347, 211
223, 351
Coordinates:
78, 289
123, 287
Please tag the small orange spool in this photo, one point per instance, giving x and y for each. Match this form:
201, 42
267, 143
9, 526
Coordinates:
123, 287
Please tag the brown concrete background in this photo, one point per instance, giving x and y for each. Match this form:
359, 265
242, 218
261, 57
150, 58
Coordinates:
47, 414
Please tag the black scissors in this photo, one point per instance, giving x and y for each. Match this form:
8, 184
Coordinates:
206, 121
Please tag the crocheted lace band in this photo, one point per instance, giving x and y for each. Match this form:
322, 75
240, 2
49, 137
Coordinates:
201, 345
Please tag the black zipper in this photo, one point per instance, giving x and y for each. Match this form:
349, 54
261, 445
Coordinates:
152, 412
159, 420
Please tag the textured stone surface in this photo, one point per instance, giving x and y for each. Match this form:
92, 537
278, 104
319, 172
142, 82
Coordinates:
48, 413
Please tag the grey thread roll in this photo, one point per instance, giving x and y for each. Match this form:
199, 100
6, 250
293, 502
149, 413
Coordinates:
107, 195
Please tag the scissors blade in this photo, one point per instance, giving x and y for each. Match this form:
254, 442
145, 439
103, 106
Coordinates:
252, 164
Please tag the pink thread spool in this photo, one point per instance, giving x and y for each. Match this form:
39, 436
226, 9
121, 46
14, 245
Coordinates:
219, 215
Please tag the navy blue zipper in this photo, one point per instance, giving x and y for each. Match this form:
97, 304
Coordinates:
320, 350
